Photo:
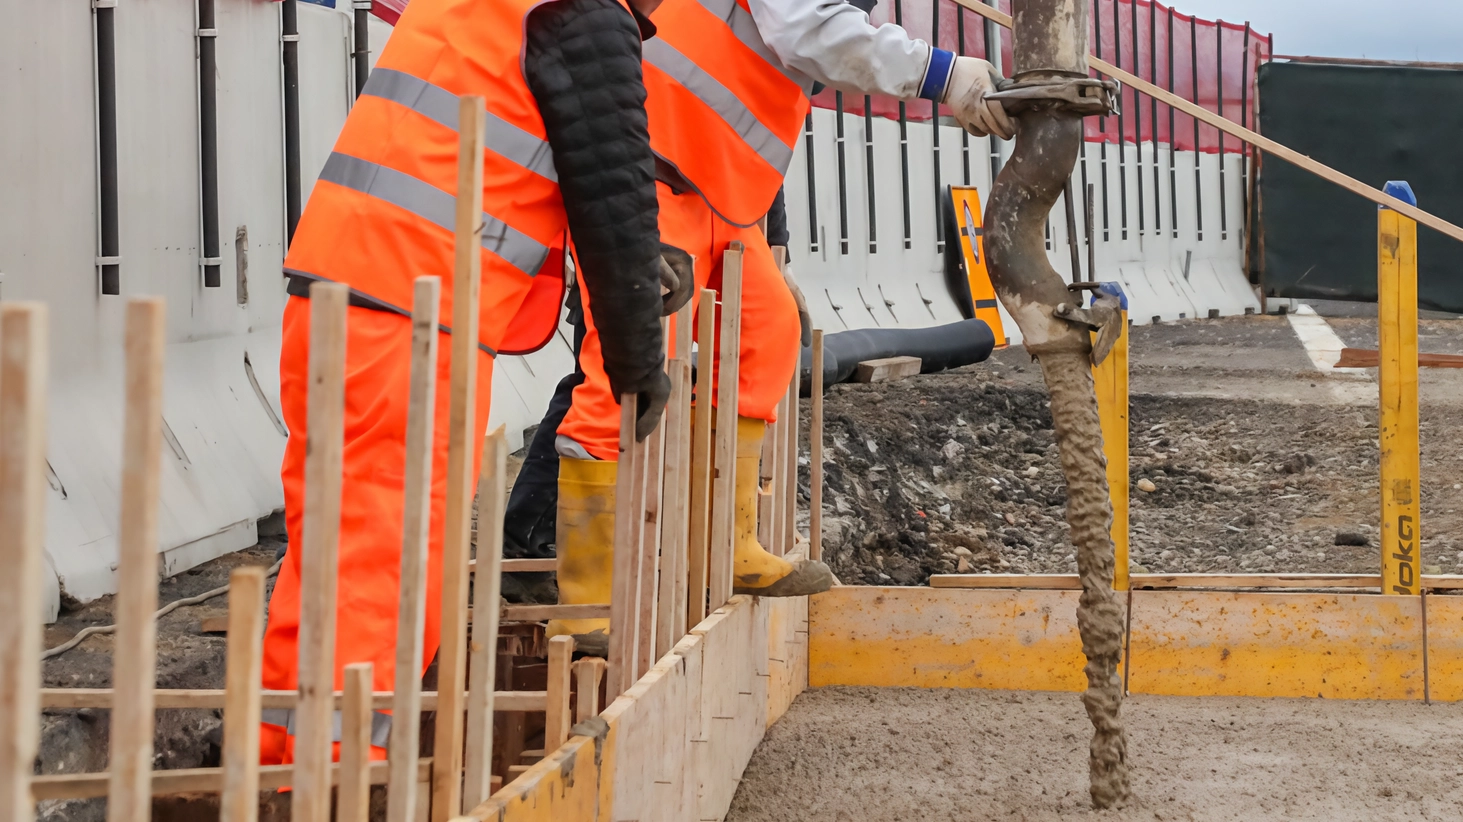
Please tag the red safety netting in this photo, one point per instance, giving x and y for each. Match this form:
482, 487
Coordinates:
1222, 49
388, 10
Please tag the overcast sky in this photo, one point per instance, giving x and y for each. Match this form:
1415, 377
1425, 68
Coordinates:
1380, 29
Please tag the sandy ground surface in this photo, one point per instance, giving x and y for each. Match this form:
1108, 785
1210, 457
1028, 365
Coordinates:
970, 756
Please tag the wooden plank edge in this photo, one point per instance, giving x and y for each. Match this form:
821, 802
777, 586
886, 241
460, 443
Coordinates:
193, 780
1436, 582
76, 698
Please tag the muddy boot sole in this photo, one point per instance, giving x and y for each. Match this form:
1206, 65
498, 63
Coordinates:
807, 577
594, 643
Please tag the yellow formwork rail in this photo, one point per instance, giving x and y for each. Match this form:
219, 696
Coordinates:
1110, 379
1398, 424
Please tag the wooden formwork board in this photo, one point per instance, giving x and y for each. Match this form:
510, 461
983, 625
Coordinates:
935, 638
1338, 645
1445, 648
674, 745
1258, 643
787, 655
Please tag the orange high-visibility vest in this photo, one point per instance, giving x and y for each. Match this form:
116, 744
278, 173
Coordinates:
382, 212
723, 109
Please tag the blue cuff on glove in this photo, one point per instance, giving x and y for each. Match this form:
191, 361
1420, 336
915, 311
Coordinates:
937, 74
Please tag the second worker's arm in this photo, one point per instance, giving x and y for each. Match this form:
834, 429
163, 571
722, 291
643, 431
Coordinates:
834, 43
582, 63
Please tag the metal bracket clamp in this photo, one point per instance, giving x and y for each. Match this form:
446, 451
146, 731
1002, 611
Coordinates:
108, 261
1082, 96
363, 5
208, 32
210, 260
103, 4
1105, 317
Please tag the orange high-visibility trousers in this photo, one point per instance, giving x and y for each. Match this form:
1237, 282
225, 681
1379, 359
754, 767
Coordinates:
770, 343
378, 369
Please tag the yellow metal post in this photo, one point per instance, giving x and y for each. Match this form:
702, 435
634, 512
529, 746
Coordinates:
1110, 378
1397, 342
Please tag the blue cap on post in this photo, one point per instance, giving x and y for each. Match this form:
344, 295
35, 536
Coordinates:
1112, 289
1401, 190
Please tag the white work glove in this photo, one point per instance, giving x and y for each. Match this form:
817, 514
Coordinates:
971, 80
805, 320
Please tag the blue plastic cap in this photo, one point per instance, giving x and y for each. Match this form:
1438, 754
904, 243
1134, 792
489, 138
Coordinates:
1401, 190
1112, 289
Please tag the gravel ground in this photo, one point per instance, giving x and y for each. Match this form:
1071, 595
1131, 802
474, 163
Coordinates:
958, 472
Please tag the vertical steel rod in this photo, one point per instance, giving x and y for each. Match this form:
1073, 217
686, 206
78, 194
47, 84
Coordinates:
1198, 150
110, 262
1219, 109
208, 138
842, 174
290, 56
812, 184
869, 172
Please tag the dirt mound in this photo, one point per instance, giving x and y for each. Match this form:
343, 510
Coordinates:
958, 473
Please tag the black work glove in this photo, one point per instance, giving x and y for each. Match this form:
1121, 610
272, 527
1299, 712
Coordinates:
650, 405
626, 308
677, 277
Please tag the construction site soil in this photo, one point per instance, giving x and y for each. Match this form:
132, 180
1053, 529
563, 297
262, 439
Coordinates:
1257, 463
972, 755
958, 473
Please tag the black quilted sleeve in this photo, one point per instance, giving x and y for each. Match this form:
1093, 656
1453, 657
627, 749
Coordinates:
582, 63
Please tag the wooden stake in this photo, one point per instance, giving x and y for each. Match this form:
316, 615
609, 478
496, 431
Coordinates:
354, 803
673, 522
559, 709
699, 540
23, 373
134, 656
325, 406
401, 789
815, 453
461, 439
492, 498
768, 505
723, 505
587, 675
625, 583
240, 800
683, 510
1234, 129
622, 576
790, 465
649, 539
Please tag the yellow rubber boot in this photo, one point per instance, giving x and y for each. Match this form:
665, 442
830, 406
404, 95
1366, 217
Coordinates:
754, 570
585, 543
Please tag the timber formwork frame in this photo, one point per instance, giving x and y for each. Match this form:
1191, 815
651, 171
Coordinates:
694, 675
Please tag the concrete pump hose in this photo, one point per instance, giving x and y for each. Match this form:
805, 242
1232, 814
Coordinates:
1050, 45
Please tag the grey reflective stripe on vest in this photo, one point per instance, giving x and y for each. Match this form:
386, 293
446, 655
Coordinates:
285, 718
710, 91
745, 28
364, 300
439, 104
433, 205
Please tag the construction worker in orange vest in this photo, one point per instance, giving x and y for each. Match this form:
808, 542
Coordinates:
567, 151
728, 84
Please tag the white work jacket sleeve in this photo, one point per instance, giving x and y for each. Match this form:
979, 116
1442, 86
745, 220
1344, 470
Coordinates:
835, 44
